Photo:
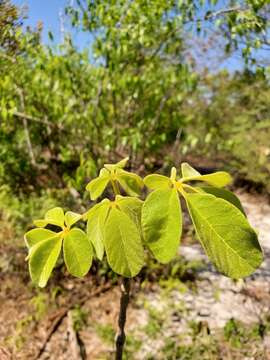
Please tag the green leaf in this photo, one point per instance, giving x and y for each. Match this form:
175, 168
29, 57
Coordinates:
41, 223
95, 227
131, 183
224, 194
43, 257
156, 181
55, 216
218, 179
78, 252
71, 218
132, 207
225, 234
120, 165
188, 171
95, 207
97, 186
34, 236
162, 223
123, 244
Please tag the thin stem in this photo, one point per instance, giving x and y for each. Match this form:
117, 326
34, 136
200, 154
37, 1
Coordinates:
124, 300
191, 188
115, 187
121, 336
26, 130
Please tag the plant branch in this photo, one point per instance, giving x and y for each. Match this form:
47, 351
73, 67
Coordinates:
34, 119
75, 347
26, 130
8, 57
115, 187
222, 12
121, 337
62, 314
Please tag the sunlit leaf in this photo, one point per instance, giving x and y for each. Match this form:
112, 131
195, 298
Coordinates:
131, 183
78, 252
224, 194
122, 163
225, 234
119, 165
132, 207
71, 218
156, 181
218, 179
34, 236
41, 223
188, 171
95, 227
123, 244
97, 186
55, 216
162, 223
43, 257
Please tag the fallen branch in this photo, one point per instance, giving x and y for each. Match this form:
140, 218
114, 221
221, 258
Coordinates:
63, 313
4, 354
73, 339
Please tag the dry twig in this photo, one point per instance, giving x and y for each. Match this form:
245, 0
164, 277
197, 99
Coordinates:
63, 313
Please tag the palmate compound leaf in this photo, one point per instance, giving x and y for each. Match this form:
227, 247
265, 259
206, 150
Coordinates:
57, 217
131, 183
95, 226
225, 234
123, 244
157, 181
162, 223
97, 186
34, 236
42, 259
78, 252
224, 194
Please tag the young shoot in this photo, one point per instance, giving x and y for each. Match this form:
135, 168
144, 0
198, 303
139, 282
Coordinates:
123, 228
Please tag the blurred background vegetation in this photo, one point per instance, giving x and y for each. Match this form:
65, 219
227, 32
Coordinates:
160, 81
153, 85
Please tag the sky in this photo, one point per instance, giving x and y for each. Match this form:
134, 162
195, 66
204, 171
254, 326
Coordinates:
49, 13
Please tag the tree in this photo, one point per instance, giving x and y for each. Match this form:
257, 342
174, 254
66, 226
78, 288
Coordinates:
123, 227
242, 24
127, 95
10, 25
230, 122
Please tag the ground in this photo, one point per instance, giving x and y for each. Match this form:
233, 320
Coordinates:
184, 311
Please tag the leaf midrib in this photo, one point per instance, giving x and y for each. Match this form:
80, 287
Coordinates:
76, 257
44, 270
123, 246
222, 240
